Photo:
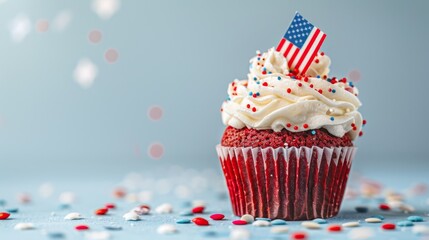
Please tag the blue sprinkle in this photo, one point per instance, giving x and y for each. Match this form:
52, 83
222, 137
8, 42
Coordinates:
269, 72
257, 94
415, 219
329, 80
278, 222
250, 93
361, 209
55, 235
318, 76
113, 228
228, 98
333, 90
263, 219
405, 224
255, 78
313, 132
332, 118
183, 221
279, 78
12, 210
257, 82
264, 69
351, 84
259, 59
378, 216
320, 220
186, 213
209, 234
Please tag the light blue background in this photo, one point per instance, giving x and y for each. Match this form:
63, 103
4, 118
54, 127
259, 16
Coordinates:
181, 55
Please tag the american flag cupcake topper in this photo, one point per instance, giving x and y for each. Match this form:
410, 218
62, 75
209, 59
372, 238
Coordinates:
301, 43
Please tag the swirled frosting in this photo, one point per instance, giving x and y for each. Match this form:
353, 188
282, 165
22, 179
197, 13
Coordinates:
273, 98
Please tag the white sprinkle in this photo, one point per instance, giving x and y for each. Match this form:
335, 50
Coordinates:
164, 208
248, 218
100, 235
73, 216
279, 229
407, 208
131, 216
24, 226
361, 233
141, 210
239, 234
166, 229
261, 223
420, 230
67, 198
310, 225
373, 220
198, 203
351, 224
395, 204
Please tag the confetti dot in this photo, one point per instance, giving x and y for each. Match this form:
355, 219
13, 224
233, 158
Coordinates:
42, 25
156, 150
95, 36
155, 113
85, 73
354, 75
111, 55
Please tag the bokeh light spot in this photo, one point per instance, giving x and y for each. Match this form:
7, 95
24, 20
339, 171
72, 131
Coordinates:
156, 151
85, 73
111, 55
42, 25
105, 9
19, 28
354, 75
62, 20
95, 36
155, 113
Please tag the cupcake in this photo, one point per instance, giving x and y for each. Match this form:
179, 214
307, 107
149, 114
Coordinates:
288, 146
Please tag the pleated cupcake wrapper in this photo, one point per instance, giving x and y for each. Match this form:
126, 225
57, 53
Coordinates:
286, 183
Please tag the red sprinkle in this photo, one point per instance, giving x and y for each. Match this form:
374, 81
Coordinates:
316, 61
305, 125
299, 84
334, 228
265, 84
112, 205
320, 91
101, 211
311, 85
199, 209
81, 227
330, 89
383, 206
388, 226
354, 128
253, 109
306, 79
200, 221
288, 125
322, 53
239, 222
248, 106
289, 90
4, 215
264, 72
217, 216
298, 235
254, 95
296, 127
360, 134
364, 122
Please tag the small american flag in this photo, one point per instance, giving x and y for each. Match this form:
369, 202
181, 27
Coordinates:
301, 43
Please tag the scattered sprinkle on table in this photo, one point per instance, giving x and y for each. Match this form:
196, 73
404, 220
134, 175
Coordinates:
388, 226
361, 233
239, 222
351, 224
261, 223
310, 225
248, 218
200, 221
334, 228
183, 221
199, 209
12, 210
415, 219
73, 216
384, 207
279, 229
24, 226
217, 216
4, 215
361, 209
101, 211
81, 227
166, 229
278, 222
298, 235
373, 220
110, 205
405, 223
420, 230
131, 216
320, 221
113, 228
239, 234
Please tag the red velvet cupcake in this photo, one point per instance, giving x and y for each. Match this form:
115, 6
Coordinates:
287, 149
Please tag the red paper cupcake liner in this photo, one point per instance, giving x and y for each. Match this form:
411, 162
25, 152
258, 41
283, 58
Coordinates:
286, 183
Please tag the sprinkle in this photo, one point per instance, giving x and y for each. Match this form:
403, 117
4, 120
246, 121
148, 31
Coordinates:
131, 216
55, 235
388, 226
183, 221
360, 134
263, 219
264, 72
247, 218
289, 90
199, 209
305, 125
350, 224
361, 209
279, 229
334, 228
2, 202
334, 91
316, 61
361, 233
320, 91
311, 85
298, 235
310, 225
420, 230
164, 208
239, 222
373, 220
313, 132
81, 227
258, 94
258, 82
142, 210
255, 78
239, 234
265, 84
295, 128
99, 235
250, 93
248, 105
288, 125
12, 210
378, 216
113, 228
166, 229
110, 205
329, 89
101, 211
186, 213
217, 216
415, 219
73, 216
322, 54
299, 84
4, 215
278, 222
24, 226
318, 76
306, 79
261, 223
253, 109
332, 118
320, 221
405, 224
384, 207
200, 221
279, 78
364, 122
119, 192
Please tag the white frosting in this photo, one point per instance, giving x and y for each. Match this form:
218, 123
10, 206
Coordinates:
263, 101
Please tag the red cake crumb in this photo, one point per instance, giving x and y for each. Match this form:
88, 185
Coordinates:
247, 137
